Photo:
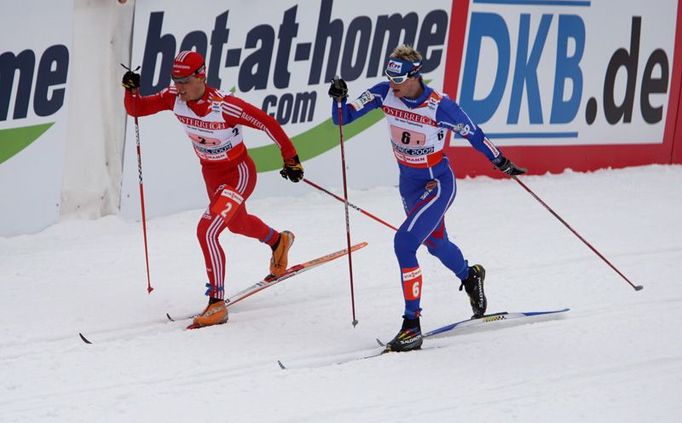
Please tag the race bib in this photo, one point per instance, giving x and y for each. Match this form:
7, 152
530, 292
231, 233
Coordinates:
204, 140
412, 283
226, 204
405, 137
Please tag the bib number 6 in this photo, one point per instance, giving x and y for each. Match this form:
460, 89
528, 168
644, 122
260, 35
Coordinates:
416, 289
405, 137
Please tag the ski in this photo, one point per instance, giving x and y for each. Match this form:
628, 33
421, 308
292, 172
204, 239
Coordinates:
383, 350
474, 323
270, 280
468, 323
267, 282
490, 318
375, 353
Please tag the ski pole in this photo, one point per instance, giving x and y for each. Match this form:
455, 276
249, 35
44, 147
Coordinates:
636, 287
139, 173
339, 108
144, 217
366, 213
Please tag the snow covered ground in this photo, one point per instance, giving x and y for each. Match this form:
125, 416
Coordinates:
616, 356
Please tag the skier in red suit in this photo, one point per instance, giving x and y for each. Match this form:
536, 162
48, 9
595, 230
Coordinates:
214, 122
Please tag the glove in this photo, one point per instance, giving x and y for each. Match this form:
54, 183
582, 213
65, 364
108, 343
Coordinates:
131, 81
338, 89
292, 170
505, 165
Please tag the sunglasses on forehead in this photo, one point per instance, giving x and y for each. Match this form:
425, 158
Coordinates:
186, 79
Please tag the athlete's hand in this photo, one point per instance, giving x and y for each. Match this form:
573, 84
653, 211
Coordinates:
338, 89
292, 170
131, 81
507, 166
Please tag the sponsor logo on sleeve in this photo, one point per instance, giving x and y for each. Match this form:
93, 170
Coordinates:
360, 102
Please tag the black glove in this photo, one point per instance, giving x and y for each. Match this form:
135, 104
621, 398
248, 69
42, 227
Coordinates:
131, 81
292, 170
506, 166
338, 89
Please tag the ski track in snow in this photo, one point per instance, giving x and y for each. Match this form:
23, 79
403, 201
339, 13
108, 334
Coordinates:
616, 356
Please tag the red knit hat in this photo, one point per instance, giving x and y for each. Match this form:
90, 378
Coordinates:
187, 63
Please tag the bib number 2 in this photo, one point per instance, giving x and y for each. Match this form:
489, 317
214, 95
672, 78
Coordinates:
226, 204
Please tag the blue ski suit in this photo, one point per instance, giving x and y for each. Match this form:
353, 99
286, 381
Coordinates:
419, 130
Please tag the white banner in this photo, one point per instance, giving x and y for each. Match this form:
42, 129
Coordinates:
569, 72
279, 56
34, 66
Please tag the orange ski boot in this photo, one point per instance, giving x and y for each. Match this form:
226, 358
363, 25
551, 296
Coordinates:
280, 255
213, 314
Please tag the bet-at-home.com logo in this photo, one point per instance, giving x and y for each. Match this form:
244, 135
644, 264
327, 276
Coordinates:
262, 58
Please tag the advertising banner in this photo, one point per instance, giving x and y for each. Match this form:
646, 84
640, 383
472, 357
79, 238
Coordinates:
556, 84
34, 68
575, 84
279, 56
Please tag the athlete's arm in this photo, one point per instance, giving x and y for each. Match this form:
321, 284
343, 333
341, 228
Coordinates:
369, 100
449, 115
137, 105
238, 112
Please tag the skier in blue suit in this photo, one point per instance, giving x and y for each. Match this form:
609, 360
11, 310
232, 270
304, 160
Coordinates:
419, 121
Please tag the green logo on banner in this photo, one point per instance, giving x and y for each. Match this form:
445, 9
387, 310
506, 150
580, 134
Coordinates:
312, 142
13, 140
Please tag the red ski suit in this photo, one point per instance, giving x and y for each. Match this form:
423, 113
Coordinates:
214, 126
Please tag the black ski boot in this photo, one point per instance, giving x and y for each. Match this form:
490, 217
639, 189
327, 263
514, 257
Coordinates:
473, 285
409, 338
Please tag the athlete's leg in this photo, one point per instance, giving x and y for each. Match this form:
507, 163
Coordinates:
440, 246
246, 224
425, 204
241, 222
227, 203
208, 230
451, 256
